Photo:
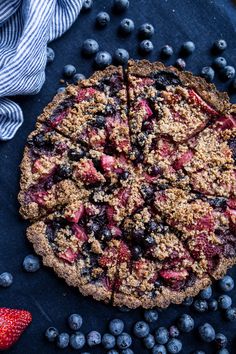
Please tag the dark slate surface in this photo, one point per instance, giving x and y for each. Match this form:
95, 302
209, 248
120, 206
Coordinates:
46, 296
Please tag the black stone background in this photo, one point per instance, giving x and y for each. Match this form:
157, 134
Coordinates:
48, 298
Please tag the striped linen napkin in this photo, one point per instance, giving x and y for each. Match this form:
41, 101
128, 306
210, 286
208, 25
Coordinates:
26, 26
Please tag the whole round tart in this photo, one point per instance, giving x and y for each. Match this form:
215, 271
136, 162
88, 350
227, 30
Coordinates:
129, 182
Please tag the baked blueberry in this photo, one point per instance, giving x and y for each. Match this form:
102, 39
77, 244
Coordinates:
77, 340
188, 48
207, 332
200, 305
159, 349
116, 326
50, 55
148, 241
6, 279
61, 90
213, 305
69, 70
138, 235
149, 341
151, 315
120, 5
167, 51
141, 329
93, 338
174, 346
180, 64
87, 5
31, 263
75, 321
100, 121
208, 73
146, 46
90, 47
206, 294
124, 341
219, 62
226, 283
221, 341
136, 252
103, 59
126, 26
78, 77
161, 335
152, 226
106, 234
63, 172
63, 340
188, 301
124, 175
146, 30
227, 73
51, 334
224, 302
185, 323
121, 56
102, 19
173, 331
108, 341
220, 45
76, 155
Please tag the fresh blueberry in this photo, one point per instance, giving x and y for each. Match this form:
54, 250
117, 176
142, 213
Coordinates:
77, 340
207, 332
180, 64
89, 353
226, 283
227, 73
121, 5
221, 341
63, 340
223, 351
112, 351
161, 335
151, 315
188, 48
167, 51
208, 73
78, 77
103, 59
75, 321
108, 341
51, 334
199, 352
6, 279
213, 305
230, 314
124, 309
127, 351
50, 55
149, 341
146, 46
31, 263
185, 323
87, 5
173, 331
206, 294
69, 70
93, 338
141, 329
116, 326
102, 19
200, 305
126, 26
219, 62
90, 47
188, 301
224, 302
121, 56
61, 90
159, 349
220, 45
146, 30
124, 341
174, 346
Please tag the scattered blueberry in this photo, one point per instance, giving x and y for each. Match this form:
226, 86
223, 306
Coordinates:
224, 302
221, 341
230, 314
87, 5
208, 73
206, 332
200, 305
173, 331
151, 315
199, 352
220, 45
50, 55
112, 351
78, 77
161, 335
63, 340
61, 90
102, 19
75, 321
6, 279
188, 48
188, 301
77, 340
220, 63
167, 51
226, 283
146, 46
149, 341
227, 73
69, 70
146, 30
124, 309
185, 323
159, 349
213, 305
206, 294
141, 329
121, 56
31, 263
223, 351
127, 351
124, 341
116, 326
90, 47
121, 5
103, 59
51, 334
180, 64
174, 346
108, 341
126, 26
93, 338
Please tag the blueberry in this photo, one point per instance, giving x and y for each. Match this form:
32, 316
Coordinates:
199, 352
146, 46
167, 51
103, 59
136, 252
124, 341
6, 279
51, 334
180, 64
93, 338
200, 305
75, 321
90, 47
63, 340
31, 263
185, 323
77, 340
153, 226
87, 5
213, 305
149, 341
208, 73
223, 351
63, 172
121, 5
127, 351
76, 155
106, 234
230, 314
124, 309
146, 30
188, 301
219, 62
121, 56
227, 73
206, 294
220, 45
112, 351
161, 335
221, 341
206, 332
126, 26
50, 55
108, 341
116, 326
174, 346
188, 48
159, 349
78, 77
173, 331
141, 329
102, 19
224, 302
151, 315
138, 235
61, 90
226, 283
124, 175
69, 70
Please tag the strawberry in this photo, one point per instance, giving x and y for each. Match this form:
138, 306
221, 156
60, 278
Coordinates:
226, 122
172, 274
80, 234
232, 203
85, 94
108, 257
143, 105
87, 172
68, 255
145, 82
195, 98
108, 163
183, 160
124, 252
76, 215
39, 197
58, 118
12, 325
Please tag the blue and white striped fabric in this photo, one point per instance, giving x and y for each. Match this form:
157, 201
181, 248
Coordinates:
26, 26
